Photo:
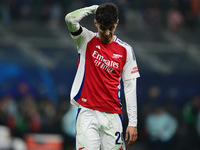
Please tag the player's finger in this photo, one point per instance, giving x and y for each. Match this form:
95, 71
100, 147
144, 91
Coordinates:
126, 136
130, 142
132, 139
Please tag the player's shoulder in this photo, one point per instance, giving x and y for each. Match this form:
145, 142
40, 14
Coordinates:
88, 32
124, 44
129, 49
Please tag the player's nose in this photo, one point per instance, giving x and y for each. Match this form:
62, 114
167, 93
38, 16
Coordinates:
107, 32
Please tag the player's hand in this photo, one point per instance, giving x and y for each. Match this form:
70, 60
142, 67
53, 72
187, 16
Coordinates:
94, 8
131, 135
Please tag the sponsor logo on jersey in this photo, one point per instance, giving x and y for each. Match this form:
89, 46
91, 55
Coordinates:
134, 70
101, 59
116, 56
121, 148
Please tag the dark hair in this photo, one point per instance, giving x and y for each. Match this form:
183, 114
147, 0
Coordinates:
107, 14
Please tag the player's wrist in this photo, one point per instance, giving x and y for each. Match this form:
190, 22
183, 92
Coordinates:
93, 8
132, 124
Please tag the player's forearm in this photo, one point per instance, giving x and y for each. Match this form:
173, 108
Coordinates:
131, 101
72, 19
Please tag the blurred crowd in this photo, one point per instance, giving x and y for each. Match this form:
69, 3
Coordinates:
162, 125
173, 14
165, 126
23, 113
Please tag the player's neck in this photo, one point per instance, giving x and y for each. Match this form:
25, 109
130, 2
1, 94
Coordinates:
113, 39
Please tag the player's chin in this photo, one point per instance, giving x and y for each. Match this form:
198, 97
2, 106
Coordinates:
107, 40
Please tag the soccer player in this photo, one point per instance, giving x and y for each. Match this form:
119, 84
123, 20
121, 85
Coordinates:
102, 60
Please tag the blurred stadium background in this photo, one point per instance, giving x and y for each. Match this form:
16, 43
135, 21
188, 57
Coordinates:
38, 61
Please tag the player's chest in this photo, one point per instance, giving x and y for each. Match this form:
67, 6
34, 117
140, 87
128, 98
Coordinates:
109, 56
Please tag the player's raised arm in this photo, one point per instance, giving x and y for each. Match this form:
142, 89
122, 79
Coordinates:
72, 19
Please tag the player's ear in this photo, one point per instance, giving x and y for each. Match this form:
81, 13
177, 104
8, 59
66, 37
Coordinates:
117, 21
95, 22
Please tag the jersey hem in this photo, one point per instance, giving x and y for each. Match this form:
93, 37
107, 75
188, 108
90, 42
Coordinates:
114, 112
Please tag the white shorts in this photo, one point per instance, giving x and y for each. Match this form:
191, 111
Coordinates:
97, 130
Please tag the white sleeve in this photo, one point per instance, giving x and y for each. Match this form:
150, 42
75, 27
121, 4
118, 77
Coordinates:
131, 101
72, 19
130, 69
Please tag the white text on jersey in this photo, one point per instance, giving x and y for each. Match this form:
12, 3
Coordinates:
109, 63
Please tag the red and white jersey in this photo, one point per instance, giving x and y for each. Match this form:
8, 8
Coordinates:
100, 67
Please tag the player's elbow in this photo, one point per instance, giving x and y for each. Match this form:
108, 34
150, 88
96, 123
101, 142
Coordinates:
68, 18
